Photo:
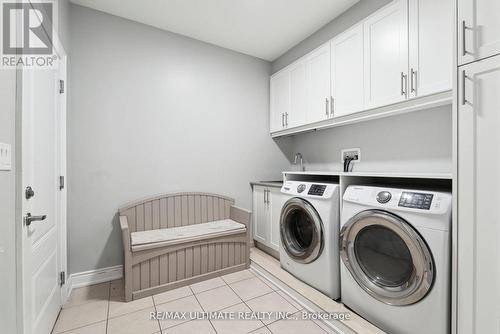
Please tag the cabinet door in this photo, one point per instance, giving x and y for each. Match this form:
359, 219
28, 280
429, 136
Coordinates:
478, 197
260, 215
318, 84
280, 100
478, 29
277, 200
347, 72
298, 95
430, 46
386, 55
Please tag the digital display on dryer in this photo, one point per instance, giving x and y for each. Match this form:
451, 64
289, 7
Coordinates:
317, 189
416, 200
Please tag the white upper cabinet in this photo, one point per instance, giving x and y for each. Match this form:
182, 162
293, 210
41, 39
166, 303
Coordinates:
401, 52
478, 29
280, 100
318, 84
298, 94
386, 55
347, 81
430, 46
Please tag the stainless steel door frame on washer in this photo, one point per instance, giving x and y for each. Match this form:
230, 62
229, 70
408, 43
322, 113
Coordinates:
417, 281
302, 251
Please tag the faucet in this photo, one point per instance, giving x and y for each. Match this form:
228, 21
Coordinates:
297, 157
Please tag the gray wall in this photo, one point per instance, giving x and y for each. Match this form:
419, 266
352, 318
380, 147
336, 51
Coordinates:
8, 205
416, 142
353, 15
152, 112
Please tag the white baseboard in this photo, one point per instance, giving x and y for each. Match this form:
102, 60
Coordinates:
86, 278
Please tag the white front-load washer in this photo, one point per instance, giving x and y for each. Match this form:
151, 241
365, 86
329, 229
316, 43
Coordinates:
395, 251
309, 231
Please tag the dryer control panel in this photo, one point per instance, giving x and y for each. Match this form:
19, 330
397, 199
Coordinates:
415, 200
309, 189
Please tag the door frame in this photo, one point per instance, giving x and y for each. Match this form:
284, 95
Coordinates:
61, 209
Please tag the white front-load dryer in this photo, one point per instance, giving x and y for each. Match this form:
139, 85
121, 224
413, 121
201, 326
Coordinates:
395, 251
309, 231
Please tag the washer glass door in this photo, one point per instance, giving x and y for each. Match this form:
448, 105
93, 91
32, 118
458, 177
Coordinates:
301, 230
387, 257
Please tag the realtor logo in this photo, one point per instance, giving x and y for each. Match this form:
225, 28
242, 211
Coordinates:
27, 31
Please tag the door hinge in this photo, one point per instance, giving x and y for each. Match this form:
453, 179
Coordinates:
61, 86
62, 278
61, 182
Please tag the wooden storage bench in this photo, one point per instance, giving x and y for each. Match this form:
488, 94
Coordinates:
178, 239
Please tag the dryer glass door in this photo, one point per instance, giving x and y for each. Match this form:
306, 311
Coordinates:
301, 231
387, 257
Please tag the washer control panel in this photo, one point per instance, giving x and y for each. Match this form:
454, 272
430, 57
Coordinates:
309, 189
384, 197
415, 200
317, 189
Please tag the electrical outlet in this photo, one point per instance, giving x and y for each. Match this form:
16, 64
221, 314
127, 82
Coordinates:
5, 157
354, 153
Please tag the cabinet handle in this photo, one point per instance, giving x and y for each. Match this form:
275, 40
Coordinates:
403, 83
283, 120
464, 28
326, 107
413, 83
286, 119
331, 105
464, 99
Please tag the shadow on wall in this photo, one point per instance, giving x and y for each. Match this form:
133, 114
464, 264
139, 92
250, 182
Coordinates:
419, 142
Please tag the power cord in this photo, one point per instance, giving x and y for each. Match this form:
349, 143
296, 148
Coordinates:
347, 163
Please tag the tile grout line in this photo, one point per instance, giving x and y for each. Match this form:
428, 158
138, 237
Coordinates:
157, 320
210, 322
107, 314
244, 302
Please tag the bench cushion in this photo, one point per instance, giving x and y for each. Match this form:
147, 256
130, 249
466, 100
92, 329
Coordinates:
175, 235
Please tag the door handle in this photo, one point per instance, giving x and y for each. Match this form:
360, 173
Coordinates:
464, 29
403, 77
28, 219
464, 99
331, 105
413, 83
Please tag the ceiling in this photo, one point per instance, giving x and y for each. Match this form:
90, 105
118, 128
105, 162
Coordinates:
262, 28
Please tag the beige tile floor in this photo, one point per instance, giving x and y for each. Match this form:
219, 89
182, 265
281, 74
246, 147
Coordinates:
100, 309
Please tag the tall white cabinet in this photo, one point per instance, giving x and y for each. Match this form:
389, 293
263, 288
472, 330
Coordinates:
478, 170
479, 197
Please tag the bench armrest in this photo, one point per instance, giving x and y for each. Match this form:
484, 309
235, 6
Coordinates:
125, 232
241, 216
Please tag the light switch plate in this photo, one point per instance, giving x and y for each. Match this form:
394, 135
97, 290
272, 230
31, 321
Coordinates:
5, 157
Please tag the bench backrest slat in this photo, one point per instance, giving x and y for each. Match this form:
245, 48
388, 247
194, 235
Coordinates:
177, 209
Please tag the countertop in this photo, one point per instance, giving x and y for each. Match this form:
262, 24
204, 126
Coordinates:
276, 184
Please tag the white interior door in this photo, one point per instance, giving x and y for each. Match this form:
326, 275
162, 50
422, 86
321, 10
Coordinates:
430, 45
386, 55
318, 84
478, 29
478, 197
42, 157
347, 72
